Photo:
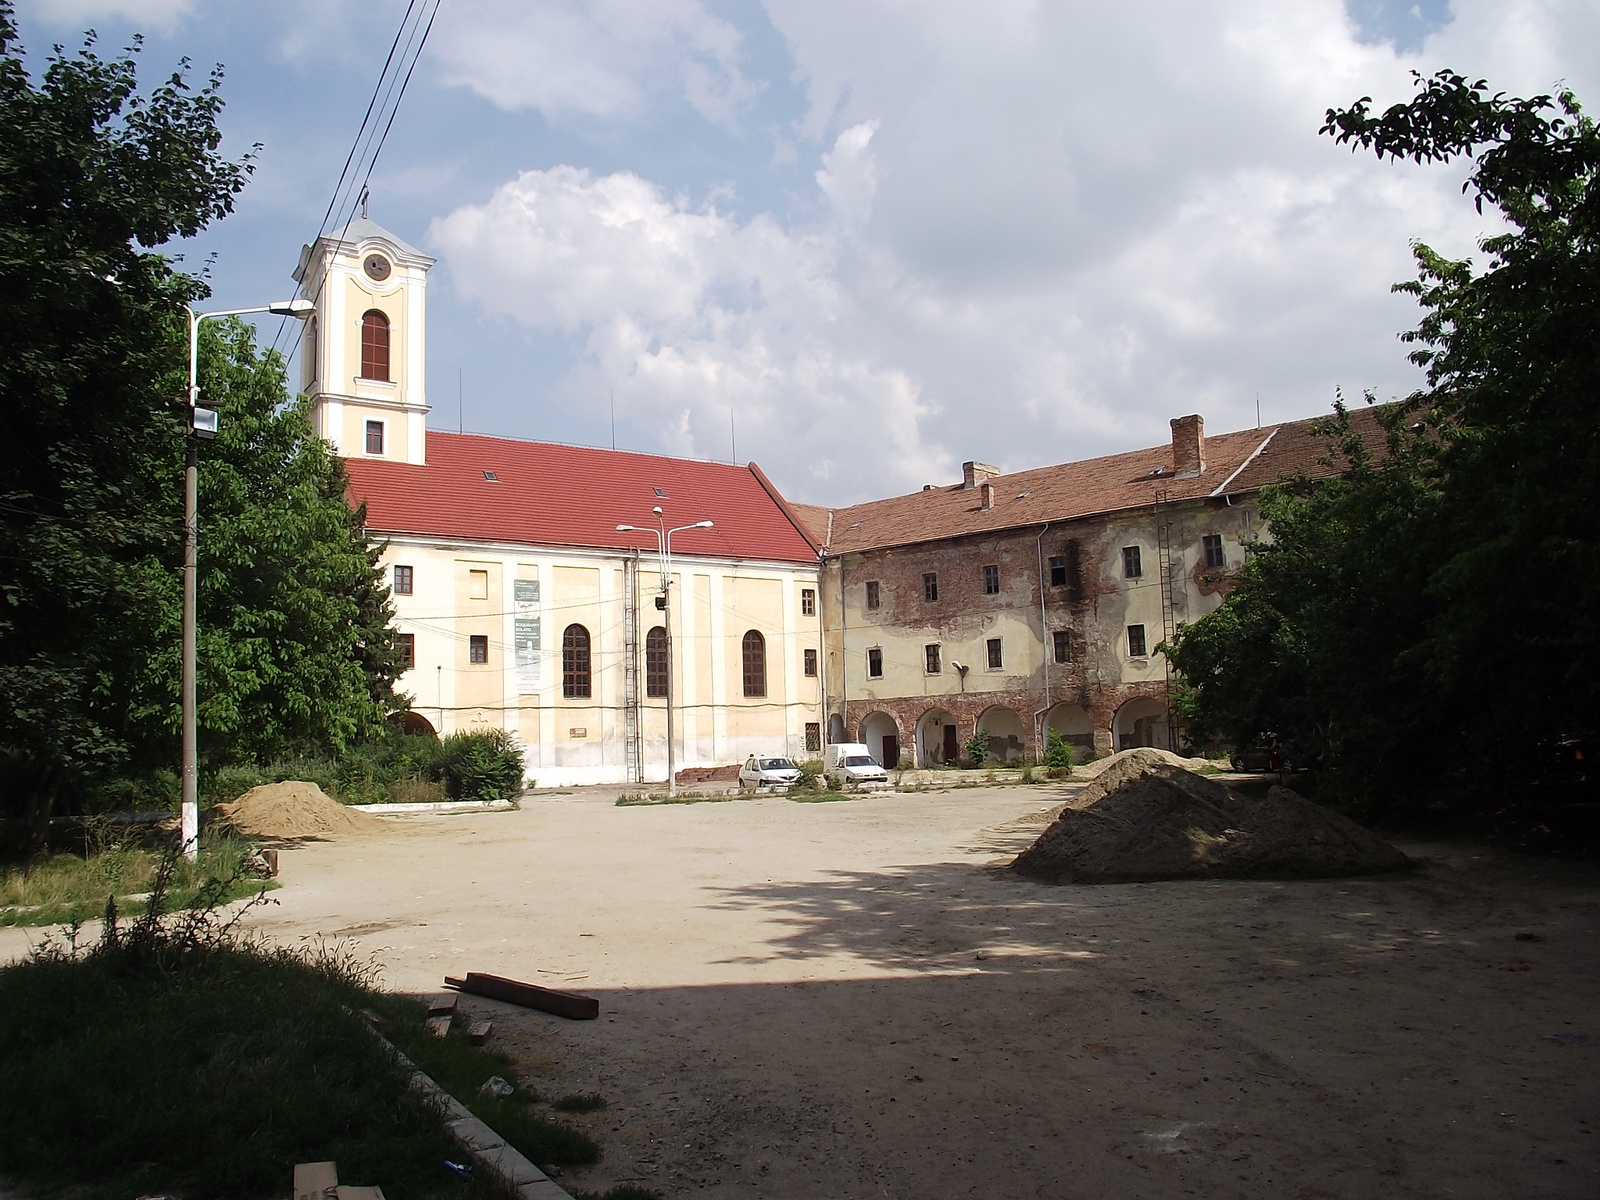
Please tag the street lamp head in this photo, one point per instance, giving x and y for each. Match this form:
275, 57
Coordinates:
656, 510
702, 525
298, 308
625, 529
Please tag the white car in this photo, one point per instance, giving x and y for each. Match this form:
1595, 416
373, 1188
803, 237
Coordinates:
767, 772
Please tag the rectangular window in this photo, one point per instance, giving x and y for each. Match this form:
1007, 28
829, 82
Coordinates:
1058, 570
478, 585
808, 602
811, 664
402, 581
991, 581
996, 661
874, 663
1136, 641
930, 587
478, 648
1063, 645
406, 643
374, 437
872, 594
931, 654
1213, 546
813, 736
1132, 568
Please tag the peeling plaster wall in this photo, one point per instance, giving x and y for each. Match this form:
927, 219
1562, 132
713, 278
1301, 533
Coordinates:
1095, 607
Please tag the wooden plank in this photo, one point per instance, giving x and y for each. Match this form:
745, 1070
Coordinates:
443, 1002
528, 995
479, 1033
440, 1025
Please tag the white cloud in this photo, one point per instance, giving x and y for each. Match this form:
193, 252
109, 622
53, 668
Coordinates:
600, 58
1039, 231
161, 14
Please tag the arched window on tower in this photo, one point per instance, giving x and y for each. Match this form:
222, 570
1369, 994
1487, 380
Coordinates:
374, 345
655, 663
575, 676
755, 664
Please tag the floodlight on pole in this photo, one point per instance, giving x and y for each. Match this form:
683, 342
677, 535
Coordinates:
203, 425
663, 537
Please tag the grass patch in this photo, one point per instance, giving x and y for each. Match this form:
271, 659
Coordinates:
176, 1057
581, 1102
635, 799
462, 1069
63, 888
822, 797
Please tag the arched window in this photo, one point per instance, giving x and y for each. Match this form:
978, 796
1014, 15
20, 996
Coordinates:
755, 664
575, 663
655, 663
374, 345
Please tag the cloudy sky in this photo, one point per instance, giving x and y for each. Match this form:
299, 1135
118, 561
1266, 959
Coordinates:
880, 236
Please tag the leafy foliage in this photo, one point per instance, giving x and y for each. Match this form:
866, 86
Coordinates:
1059, 754
977, 748
92, 174
1435, 612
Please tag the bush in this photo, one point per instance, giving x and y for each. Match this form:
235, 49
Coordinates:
1059, 752
978, 748
485, 765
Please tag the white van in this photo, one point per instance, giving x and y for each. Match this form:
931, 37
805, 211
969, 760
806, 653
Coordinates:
849, 762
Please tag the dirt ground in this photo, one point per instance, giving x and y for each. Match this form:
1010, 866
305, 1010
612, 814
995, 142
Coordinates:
846, 1000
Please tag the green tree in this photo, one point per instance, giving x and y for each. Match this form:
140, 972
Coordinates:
296, 648
1438, 611
93, 175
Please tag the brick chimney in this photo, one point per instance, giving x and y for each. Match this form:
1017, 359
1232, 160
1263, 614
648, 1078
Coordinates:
1188, 446
975, 474
988, 495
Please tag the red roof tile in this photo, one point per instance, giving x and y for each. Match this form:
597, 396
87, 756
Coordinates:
1244, 461
549, 495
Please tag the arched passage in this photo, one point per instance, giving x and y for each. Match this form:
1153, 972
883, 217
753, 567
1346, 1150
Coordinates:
413, 723
937, 740
881, 734
835, 729
1005, 732
1141, 722
1074, 724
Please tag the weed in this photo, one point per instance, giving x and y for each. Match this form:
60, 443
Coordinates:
174, 1015
580, 1102
59, 888
630, 799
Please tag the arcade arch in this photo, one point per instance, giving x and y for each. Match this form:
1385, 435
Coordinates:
937, 740
1141, 722
881, 735
1006, 735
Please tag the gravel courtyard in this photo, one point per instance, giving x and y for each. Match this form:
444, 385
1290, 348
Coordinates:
847, 1000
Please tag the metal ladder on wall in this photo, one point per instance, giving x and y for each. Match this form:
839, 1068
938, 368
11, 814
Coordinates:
1169, 586
632, 733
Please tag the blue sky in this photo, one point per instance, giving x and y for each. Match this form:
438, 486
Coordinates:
886, 236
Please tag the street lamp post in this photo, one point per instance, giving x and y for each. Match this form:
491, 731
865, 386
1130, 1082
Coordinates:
202, 426
664, 550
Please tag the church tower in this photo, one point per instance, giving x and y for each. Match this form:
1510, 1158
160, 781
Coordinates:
362, 359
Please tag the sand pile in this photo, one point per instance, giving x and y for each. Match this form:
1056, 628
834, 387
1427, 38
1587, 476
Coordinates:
1099, 766
1145, 818
294, 810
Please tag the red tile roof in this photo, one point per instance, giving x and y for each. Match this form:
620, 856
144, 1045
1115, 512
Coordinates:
549, 495
1235, 463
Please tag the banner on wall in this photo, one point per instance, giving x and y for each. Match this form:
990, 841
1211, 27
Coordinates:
525, 634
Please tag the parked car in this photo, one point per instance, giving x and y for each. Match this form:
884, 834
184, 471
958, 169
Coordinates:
1265, 754
849, 762
760, 772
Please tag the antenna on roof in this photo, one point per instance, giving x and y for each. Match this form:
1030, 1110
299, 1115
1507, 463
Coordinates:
1258, 410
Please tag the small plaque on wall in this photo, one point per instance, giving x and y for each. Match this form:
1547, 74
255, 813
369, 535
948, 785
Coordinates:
578, 731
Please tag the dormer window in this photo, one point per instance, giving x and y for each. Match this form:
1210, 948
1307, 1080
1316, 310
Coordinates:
375, 346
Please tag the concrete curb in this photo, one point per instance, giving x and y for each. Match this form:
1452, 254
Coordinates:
441, 806
484, 1146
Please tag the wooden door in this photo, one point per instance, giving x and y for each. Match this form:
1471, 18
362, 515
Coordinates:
952, 748
891, 751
